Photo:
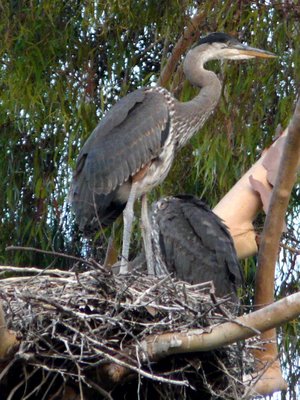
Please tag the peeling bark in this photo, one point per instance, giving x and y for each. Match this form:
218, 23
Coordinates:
268, 252
240, 206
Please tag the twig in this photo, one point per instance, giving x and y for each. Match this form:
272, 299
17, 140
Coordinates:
151, 289
127, 366
98, 388
31, 270
51, 253
289, 248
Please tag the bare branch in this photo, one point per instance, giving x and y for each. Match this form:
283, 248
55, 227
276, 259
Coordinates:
221, 335
268, 252
155, 347
270, 238
190, 35
51, 253
240, 206
5, 269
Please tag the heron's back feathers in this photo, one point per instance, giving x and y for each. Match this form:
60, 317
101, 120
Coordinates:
196, 245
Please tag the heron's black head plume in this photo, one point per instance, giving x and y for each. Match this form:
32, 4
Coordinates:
217, 37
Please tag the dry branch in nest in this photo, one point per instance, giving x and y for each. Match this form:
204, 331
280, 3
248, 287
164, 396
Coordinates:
84, 331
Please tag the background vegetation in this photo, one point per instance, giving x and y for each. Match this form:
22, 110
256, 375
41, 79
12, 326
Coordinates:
63, 63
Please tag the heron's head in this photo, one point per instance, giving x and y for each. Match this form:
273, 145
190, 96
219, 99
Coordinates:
220, 46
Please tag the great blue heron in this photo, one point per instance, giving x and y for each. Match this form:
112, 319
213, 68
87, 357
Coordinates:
133, 147
193, 243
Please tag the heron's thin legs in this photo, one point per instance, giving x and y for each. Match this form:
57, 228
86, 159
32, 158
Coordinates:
128, 220
146, 233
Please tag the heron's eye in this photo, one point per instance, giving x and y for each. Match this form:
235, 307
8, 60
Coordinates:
162, 205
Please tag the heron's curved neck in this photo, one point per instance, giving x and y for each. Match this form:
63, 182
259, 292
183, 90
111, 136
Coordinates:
199, 76
195, 112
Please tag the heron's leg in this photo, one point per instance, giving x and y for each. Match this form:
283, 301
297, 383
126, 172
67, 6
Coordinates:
146, 232
127, 221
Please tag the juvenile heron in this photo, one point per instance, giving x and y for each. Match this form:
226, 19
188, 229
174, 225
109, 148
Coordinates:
195, 245
132, 149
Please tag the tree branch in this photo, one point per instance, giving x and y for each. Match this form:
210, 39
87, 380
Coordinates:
190, 35
271, 234
155, 347
268, 252
240, 206
241, 328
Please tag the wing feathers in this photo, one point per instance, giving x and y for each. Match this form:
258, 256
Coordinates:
111, 158
126, 139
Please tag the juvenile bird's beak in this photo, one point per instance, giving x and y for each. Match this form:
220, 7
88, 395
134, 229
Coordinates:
253, 52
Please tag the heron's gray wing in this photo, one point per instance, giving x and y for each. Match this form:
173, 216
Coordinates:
126, 139
193, 245
214, 235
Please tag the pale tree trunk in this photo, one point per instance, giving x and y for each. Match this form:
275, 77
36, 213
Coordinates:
252, 193
239, 208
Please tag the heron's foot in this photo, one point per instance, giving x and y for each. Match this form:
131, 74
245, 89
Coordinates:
150, 263
121, 268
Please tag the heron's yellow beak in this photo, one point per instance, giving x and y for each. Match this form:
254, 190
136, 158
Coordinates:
253, 52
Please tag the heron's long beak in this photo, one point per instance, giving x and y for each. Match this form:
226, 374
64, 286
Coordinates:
253, 52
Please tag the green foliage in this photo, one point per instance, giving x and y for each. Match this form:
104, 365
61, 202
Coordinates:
63, 63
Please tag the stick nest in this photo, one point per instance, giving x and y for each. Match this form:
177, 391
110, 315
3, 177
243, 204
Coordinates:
82, 333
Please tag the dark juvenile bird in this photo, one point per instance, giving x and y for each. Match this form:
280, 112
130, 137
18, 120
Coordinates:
133, 147
194, 244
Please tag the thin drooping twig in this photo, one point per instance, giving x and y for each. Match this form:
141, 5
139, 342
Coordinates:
48, 252
270, 239
190, 35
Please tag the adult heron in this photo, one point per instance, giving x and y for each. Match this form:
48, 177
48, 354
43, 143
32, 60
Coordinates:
194, 244
132, 149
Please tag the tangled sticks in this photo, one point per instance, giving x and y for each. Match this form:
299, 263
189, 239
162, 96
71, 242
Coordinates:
84, 330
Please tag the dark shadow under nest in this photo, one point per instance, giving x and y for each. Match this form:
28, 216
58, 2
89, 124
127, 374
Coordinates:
79, 327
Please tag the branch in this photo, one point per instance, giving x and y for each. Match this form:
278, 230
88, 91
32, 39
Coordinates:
241, 328
268, 253
240, 206
7, 269
155, 347
274, 222
51, 253
190, 35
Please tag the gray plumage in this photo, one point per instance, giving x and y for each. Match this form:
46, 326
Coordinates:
133, 147
118, 148
195, 244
